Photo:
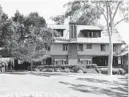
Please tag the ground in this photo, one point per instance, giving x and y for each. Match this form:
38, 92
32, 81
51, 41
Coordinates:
62, 85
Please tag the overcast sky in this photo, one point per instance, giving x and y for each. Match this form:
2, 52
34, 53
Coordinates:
45, 8
48, 8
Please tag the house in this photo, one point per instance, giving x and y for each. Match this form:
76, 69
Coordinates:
82, 44
79, 44
124, 55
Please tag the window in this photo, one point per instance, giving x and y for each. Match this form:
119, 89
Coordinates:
80, 47
114, 47
60, 61
48, 48
60, 32
103, 47
73, 31
65, 47
91, 33
56, 62
89, 46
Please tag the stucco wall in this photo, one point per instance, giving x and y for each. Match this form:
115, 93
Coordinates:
96, 50
57, 49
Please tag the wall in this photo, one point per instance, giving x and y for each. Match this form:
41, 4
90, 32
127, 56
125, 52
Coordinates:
96, 50
57, 49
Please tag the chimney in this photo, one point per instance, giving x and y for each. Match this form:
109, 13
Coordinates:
72, 31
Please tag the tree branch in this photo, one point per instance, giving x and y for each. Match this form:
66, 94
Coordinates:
116, 10
120, 21
101, 11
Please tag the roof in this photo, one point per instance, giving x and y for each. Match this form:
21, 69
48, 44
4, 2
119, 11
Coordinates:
116, 38
123, 53
88, 27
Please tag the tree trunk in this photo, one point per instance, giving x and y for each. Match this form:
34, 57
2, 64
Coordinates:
31, 66
110, 57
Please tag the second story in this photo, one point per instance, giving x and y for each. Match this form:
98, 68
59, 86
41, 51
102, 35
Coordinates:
83, 49
90, 40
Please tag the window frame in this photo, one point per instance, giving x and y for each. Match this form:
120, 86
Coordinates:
65, 47
80, 49
89, 46
102, 47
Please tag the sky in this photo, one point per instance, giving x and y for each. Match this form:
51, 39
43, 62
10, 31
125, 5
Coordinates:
47, 9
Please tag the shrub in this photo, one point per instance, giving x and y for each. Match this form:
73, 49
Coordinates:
125, 67
58, 70
84, 70
118, 71
90, 66
48, 70
76, 68
122, 71
67, 70
36, 69
80, 71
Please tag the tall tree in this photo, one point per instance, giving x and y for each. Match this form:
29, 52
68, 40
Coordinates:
110, 9
4, 23
89, 12
27, 38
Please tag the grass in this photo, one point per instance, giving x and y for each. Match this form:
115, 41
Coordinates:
62, 85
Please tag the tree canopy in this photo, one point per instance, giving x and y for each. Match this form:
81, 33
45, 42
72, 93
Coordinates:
26, 37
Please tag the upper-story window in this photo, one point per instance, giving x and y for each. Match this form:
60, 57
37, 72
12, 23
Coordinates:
89, 46
80, 47
72, 31
65, 47
103, 47
90, 34
60, 32
114, 47
48, 48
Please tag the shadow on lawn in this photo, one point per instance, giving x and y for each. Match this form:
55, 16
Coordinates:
117, 90
46, 74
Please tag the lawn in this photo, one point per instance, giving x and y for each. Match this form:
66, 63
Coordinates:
62, 85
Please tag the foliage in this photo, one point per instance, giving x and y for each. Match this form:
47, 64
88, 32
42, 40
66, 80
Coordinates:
27, 38
89, 12
80, 12
118, 71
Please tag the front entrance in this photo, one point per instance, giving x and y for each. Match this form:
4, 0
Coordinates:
103, 60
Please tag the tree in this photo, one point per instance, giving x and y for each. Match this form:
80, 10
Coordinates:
27, 38
33, 46
110, 9
88, 13
4, 23
80, 12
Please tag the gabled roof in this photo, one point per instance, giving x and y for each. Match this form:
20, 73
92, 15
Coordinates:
116, 38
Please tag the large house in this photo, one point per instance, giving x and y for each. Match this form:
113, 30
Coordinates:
82, 44
79, 44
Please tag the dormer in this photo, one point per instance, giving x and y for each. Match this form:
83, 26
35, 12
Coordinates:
60, 32
89, 32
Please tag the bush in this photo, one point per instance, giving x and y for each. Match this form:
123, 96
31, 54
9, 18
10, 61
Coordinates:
36, 69
79, 68
118, 71
58, 70
48, 70
67, 70
125, 67
76, 68
90, 66
80, 71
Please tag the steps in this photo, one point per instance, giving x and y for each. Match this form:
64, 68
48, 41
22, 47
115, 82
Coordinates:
92, 71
